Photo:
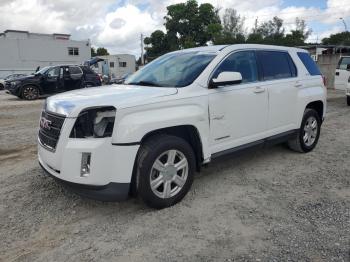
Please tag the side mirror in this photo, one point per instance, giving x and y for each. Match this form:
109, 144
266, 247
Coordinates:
226, 78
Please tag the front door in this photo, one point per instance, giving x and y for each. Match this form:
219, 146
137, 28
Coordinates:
238, 113
50, 81
342, 73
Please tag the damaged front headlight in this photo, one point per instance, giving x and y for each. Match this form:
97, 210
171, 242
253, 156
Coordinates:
94, 123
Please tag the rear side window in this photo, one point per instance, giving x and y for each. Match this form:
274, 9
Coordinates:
309, 63
276, 65
343, 63
74, 70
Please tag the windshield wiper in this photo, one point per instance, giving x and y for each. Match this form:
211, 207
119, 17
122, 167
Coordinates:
144, 83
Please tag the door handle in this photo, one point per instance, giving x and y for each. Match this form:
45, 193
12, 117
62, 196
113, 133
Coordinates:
259, 90
298, 84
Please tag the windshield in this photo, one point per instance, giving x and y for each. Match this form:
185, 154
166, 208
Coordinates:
172, 70
43, 70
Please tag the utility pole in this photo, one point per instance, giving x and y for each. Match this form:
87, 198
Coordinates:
142, 57
346, 28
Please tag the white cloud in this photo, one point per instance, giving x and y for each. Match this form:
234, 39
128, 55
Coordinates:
126, 37
117, 24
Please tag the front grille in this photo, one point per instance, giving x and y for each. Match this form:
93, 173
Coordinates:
50, 129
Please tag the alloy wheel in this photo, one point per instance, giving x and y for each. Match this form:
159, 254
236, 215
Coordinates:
30, 93
310, 131
169, 174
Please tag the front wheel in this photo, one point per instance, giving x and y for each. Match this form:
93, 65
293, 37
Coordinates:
30, 92
165, 170
348, 100
308, 134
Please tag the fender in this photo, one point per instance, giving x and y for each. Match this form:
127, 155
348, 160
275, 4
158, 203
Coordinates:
132, 124
307, 96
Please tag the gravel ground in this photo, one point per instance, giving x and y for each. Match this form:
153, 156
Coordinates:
265, 205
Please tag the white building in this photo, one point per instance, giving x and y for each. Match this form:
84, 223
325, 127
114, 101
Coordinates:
117, 65
23, 52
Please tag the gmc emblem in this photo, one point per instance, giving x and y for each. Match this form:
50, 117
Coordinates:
45, 123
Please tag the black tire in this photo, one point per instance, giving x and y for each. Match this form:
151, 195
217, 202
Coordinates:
2, 87
149, 152
30, 92
348, 100
298, 144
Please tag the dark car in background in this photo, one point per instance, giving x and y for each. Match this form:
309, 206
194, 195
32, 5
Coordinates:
9, 77
52, 80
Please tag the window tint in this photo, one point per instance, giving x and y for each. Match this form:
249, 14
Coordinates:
309, 63
74, 70
343, 63
275, 65
243, 62
53, 72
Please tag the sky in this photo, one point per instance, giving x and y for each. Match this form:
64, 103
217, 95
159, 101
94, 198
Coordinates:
117, 24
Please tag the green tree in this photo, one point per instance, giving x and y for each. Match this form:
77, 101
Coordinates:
342, 38
187, 25
156, 44
297, 36
93, 52
233, 28
101, 51
272, 31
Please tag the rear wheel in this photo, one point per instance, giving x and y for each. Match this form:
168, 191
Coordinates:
308, 134
165, 169
348, 100
30, 92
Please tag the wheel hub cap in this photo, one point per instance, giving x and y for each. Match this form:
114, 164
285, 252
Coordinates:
310, 131
169, 174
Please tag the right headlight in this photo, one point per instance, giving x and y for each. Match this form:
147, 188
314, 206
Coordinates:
94, 123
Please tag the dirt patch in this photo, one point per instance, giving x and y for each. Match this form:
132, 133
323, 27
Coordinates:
268, 204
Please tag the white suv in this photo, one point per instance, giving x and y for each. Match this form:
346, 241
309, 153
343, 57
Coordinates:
342, 77
150, 135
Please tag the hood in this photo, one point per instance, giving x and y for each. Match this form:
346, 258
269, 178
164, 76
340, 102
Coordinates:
120, 96
21, 78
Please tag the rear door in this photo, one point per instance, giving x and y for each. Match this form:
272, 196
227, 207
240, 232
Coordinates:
342, 73
279, 77
73, 78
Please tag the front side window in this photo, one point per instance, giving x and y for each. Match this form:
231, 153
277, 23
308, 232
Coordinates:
172, 70
243, 62
344, 63
54, 72
276, 65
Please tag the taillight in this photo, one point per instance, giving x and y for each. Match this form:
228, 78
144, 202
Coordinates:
324, 80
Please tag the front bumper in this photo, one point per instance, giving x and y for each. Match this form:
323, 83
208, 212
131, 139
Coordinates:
110, 192
111, 167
